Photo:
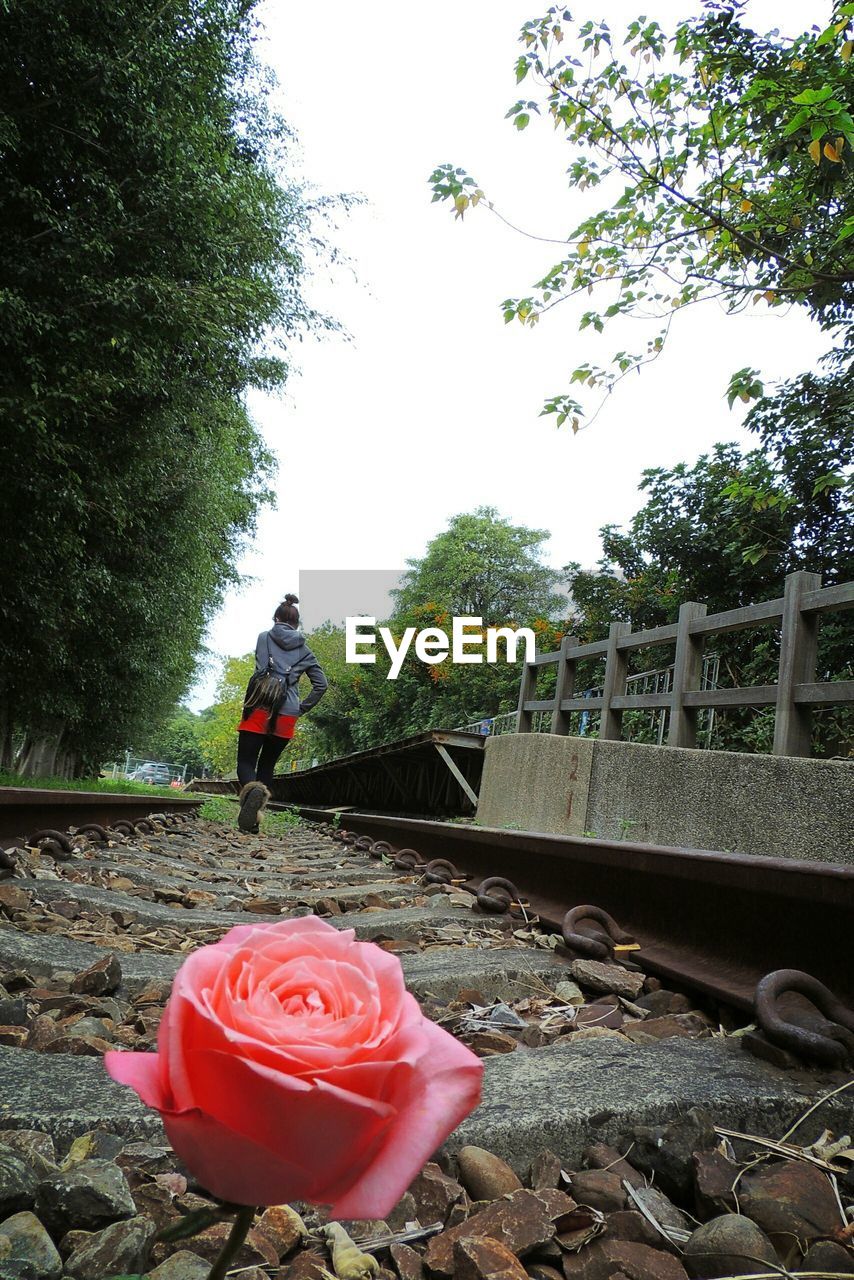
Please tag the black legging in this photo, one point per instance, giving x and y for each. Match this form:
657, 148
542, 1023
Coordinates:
257, 755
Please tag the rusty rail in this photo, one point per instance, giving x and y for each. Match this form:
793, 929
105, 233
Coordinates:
25, 811
716, 922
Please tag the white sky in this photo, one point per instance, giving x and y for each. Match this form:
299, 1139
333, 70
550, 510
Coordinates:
432, 408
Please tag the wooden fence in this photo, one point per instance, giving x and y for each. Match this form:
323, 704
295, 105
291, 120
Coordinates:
794, 695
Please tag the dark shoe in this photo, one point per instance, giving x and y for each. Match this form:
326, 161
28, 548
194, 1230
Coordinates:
253, 798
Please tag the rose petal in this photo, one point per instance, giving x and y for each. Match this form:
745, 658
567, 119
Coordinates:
230, 1165
324, 1130
443, 1097
142, 1072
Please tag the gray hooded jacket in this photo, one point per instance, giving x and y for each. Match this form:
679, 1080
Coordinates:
288, 649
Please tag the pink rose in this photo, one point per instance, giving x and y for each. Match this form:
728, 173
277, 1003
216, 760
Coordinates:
293, 1064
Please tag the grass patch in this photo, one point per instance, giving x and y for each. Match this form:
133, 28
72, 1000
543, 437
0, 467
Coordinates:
118, 786
274, 822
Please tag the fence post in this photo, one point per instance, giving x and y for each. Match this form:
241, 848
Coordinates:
616, 666
564, 686
798, 645
527, 693
687, 674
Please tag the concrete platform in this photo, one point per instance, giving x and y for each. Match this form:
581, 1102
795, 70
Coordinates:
563, 1097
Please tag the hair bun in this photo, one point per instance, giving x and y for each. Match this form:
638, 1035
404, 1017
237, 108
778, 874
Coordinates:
290, 599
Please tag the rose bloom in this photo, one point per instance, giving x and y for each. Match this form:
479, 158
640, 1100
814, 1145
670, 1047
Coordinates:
293, 1064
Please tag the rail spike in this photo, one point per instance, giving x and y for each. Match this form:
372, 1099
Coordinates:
497, 894
441, 871
581, 933
822, 1034
93, 831
54, 843
408, 860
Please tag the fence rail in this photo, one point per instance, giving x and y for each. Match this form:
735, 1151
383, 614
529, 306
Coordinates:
796, 613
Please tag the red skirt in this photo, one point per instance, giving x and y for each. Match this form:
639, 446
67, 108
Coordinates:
256, 722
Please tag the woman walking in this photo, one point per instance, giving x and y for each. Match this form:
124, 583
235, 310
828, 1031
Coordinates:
271, 707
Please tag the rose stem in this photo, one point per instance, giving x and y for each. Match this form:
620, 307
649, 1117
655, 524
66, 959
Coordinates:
229, 1251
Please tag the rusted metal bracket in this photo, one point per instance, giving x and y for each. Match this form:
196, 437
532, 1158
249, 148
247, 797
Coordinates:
497, 894
592, 932
409, 860
797, 1012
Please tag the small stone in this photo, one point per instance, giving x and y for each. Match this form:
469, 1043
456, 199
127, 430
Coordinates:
255, 1249
714, 1179
545, 1171
120, 1248
629, 1224
13, 899
101, 978
826, 1256
92, 1027
569, 993
666, 1151
97, 1144
283, 1227
307, 1265
18, 1184
13, 1037
146, 1157
601, 1156
726, 1246
13, 1011
596, 975
599, 1015
597, 1033
88, 1195
662, 1002
404, 1211
479, 1258
30, 1243
407, 1262
434, 1194
606, 1259
157, 1202
487, 1043
599, 1189
662, 1209
503, 1016
43, 1031
789, 1199
689, 1026
34, 1147
521, 1221
182, 1265
485, 1176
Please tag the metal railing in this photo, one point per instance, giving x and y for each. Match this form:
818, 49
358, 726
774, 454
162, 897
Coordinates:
796, 613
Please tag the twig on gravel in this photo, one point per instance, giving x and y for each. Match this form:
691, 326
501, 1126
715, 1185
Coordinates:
782, 1148
673, 1235
815, 1106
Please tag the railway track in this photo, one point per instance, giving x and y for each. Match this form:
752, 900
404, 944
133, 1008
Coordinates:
583, 1052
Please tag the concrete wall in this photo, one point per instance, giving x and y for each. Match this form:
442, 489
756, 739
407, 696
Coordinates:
780, 806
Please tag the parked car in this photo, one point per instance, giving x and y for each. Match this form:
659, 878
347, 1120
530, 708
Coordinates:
158, 775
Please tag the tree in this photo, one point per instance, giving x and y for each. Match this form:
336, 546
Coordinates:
482, 566
177, 741
725, 532
218, 731
726, 160
150, 248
